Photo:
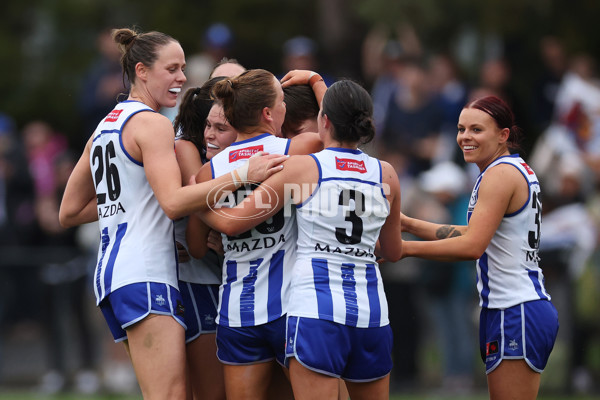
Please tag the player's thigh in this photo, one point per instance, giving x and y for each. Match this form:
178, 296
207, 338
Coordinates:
157, 350
280, 387
374, 390
249, 381
513, 379
308, 384
343, 394
205, 370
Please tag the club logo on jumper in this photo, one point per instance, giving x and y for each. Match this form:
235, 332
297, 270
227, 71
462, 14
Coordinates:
527, 168
348, 164
160, 300
491, 348
241, 154
513, 345
113, 116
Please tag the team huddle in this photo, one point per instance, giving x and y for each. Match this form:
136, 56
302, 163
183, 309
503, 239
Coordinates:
245, 264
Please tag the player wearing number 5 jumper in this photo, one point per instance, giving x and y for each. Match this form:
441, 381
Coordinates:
518, 323
344, 201
128, 179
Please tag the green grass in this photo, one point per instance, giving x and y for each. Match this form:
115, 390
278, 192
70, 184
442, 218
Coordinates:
483, 396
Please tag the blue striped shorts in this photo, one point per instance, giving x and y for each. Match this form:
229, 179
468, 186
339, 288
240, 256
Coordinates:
200, 302
347, 352
132, 303
525, 331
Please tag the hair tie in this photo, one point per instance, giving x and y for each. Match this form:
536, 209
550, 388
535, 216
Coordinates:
230, 83
129, 41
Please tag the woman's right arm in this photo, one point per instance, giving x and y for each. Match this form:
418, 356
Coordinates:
430, 231
154, 137
78, 205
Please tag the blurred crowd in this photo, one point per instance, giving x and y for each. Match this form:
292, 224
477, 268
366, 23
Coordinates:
45, 269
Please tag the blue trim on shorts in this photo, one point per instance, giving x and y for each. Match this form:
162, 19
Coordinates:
200, 302
526, 331
132, 303
341, 351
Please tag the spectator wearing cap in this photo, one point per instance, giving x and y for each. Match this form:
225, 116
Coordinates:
301, 53
216, 45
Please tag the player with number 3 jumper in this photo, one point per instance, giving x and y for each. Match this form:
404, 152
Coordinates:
344, 201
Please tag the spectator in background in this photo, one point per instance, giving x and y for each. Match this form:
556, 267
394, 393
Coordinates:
575, 129
449, 287
554, 65
66, 281
387, 82
408, 141
412, 125
43, 146
494, 75
450, 94
102, 84
216, 45
17, 223
567, 156
62, 280
17, 218
300, 52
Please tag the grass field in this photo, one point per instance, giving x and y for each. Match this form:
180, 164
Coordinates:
482, 396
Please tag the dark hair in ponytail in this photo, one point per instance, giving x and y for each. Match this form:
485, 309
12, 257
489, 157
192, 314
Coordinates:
194, 108
350, 109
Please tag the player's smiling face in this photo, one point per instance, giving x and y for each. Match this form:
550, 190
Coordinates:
218, 134
166, 76
479, 137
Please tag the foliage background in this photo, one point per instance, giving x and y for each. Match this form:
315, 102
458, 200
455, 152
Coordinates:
46, 45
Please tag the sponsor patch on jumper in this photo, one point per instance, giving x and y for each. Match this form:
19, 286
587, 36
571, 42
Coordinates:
113, 116
348, 164
527, 168
244, 153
